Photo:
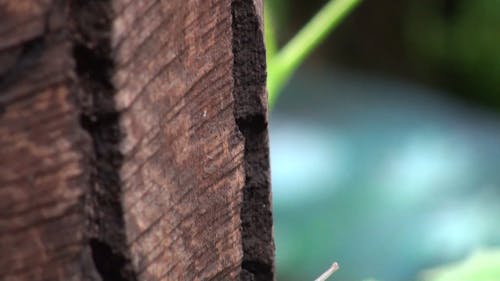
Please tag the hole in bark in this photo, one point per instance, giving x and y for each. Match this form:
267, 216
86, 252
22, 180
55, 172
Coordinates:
251, 125
108, 263
258, 270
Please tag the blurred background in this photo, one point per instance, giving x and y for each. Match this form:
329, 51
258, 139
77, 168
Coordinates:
385, 145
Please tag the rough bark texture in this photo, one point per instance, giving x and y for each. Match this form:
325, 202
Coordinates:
133, 141
249, 72
43, 149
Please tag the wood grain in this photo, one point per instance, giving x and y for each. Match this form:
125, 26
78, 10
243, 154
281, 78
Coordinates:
43, 163
184, 171
134, 141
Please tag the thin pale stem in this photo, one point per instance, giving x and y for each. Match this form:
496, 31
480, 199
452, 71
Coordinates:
283, 64
328, 272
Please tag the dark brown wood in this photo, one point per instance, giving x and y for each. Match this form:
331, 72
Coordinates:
43, 174
133, 141
249, 72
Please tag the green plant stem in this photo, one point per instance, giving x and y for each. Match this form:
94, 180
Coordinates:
270, 36
282, 65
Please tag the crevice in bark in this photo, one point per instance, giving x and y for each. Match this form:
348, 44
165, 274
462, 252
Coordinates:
261, 271
27, 55
30, 52
250, 111
107, 261
91, 29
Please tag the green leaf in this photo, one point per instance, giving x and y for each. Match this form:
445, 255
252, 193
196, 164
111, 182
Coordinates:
483, 265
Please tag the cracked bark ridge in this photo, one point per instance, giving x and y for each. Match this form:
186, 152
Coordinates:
133, 136
249, 73
91, 29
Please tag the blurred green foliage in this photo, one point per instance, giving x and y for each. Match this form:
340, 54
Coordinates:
452, 44
484, 265
462, 41
283, 63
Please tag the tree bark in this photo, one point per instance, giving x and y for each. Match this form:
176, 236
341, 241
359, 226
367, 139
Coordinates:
133, 141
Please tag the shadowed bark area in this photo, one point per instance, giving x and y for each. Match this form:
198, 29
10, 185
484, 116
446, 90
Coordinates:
43, 150
133, 139
249, 73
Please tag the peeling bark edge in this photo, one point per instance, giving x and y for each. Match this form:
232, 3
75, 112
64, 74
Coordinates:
91, 24
249, 74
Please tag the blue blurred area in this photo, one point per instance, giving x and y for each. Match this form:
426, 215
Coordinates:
384, 176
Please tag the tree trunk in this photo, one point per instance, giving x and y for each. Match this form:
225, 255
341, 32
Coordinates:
133, 141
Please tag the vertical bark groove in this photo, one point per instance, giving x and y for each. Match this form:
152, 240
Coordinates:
100, 118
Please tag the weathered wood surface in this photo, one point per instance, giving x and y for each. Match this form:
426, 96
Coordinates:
43, 149
133, 141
